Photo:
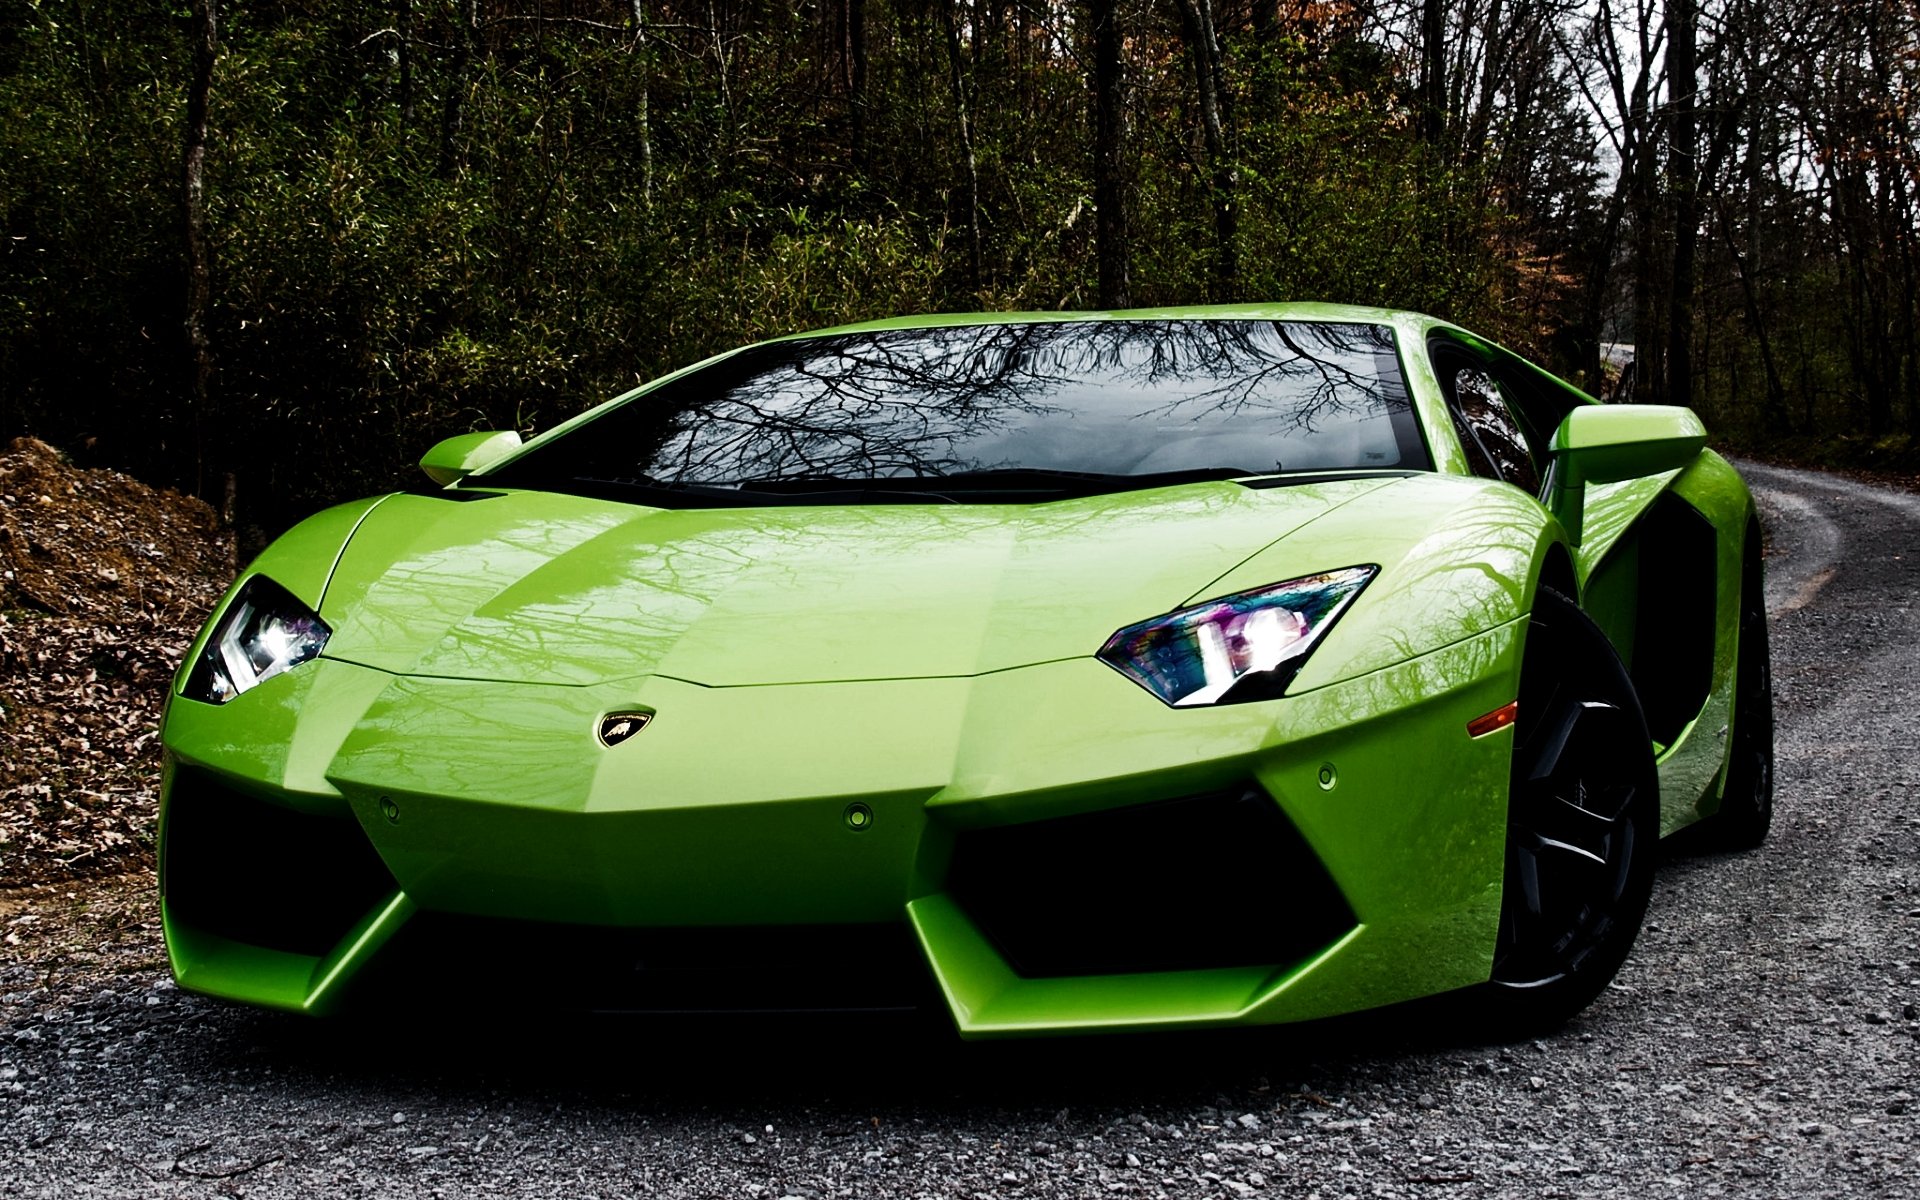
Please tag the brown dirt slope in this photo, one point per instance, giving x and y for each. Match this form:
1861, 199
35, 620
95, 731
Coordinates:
103, 583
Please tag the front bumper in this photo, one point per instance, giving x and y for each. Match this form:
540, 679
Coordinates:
1327, 852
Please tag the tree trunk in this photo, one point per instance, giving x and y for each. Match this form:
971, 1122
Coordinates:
403, 18
1203, 43
1683, 180
199, 256
1433, 70
1502, 41
1775, 413
958, 77
452, 113
1109, 171
645, 115
1649, 376
1897, 222
857, 80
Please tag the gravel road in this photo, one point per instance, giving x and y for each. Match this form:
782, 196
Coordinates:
1761, 1041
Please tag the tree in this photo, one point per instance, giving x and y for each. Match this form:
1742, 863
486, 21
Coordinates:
199, 298
1109, 164
1204, 53
1682, 179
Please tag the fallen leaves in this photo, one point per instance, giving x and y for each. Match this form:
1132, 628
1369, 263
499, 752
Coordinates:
103, 583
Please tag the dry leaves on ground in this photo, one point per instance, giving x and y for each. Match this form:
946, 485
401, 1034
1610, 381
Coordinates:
103, 583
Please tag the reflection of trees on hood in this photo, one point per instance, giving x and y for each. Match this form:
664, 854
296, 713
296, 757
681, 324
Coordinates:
937, 401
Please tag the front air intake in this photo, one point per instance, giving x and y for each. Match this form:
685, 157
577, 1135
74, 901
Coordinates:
264, 874
1217, 880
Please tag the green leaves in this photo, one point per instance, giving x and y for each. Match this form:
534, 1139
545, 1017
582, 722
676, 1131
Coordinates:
421, 228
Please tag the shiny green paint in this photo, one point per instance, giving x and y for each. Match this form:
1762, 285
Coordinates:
304, 558
216, 966
1690, 768
550, 588
1611, 510
1615, 445
1692, 772
1457, 557
1429, 401
1592, 519
1420, 864
457, 457
286, 744
512, 808
507, 807
987, 998
301, 560
934, 664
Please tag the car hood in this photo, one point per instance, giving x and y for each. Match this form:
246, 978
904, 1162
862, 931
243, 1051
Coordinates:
550, 588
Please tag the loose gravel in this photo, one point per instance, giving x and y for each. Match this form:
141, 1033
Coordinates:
1762, 1041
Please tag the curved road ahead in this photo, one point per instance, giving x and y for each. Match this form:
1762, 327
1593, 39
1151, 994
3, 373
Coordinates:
1762, 1040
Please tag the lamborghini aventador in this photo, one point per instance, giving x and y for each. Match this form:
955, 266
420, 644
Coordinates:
1108, 671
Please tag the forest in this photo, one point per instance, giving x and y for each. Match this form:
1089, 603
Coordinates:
269, 252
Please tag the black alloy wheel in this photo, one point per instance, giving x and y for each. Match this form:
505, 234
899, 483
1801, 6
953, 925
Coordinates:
1746, 805
1583, 823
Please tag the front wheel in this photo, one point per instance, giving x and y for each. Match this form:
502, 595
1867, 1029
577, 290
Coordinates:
1583, 822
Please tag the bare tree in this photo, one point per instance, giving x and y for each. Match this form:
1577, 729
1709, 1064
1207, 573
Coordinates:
1682, 179
206, 48
1203, 49
1109, 167
466, 37
644, 116
855, 17
957, 77
1433, 69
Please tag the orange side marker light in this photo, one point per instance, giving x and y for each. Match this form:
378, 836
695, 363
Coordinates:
1496, 720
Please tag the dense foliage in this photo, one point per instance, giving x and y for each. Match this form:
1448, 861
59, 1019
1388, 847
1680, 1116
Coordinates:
428, 216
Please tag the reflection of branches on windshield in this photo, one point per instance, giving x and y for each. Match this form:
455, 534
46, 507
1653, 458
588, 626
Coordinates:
941, 400
1341, 361
874, 405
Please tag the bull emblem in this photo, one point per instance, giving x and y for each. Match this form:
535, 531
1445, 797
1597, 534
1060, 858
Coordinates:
618, 727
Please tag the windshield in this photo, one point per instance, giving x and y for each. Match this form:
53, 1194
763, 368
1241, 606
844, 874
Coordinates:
996, 412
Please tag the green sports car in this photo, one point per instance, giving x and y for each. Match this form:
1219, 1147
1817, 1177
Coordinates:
1154, 669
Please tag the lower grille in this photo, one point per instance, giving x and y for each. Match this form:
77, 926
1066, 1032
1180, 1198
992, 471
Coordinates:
848, 968
262, 874
1218, 880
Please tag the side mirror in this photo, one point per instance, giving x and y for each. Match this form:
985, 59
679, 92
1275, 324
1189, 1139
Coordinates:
1601, 444
458, 457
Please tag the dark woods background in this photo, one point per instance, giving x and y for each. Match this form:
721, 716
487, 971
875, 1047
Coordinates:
270, 252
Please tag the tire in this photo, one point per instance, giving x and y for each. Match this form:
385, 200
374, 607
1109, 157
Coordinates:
1583, 825
1746, 804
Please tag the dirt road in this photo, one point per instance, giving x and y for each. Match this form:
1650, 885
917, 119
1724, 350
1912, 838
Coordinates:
1762, 1041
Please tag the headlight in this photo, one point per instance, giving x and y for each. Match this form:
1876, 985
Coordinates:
266, 630
1247, 646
